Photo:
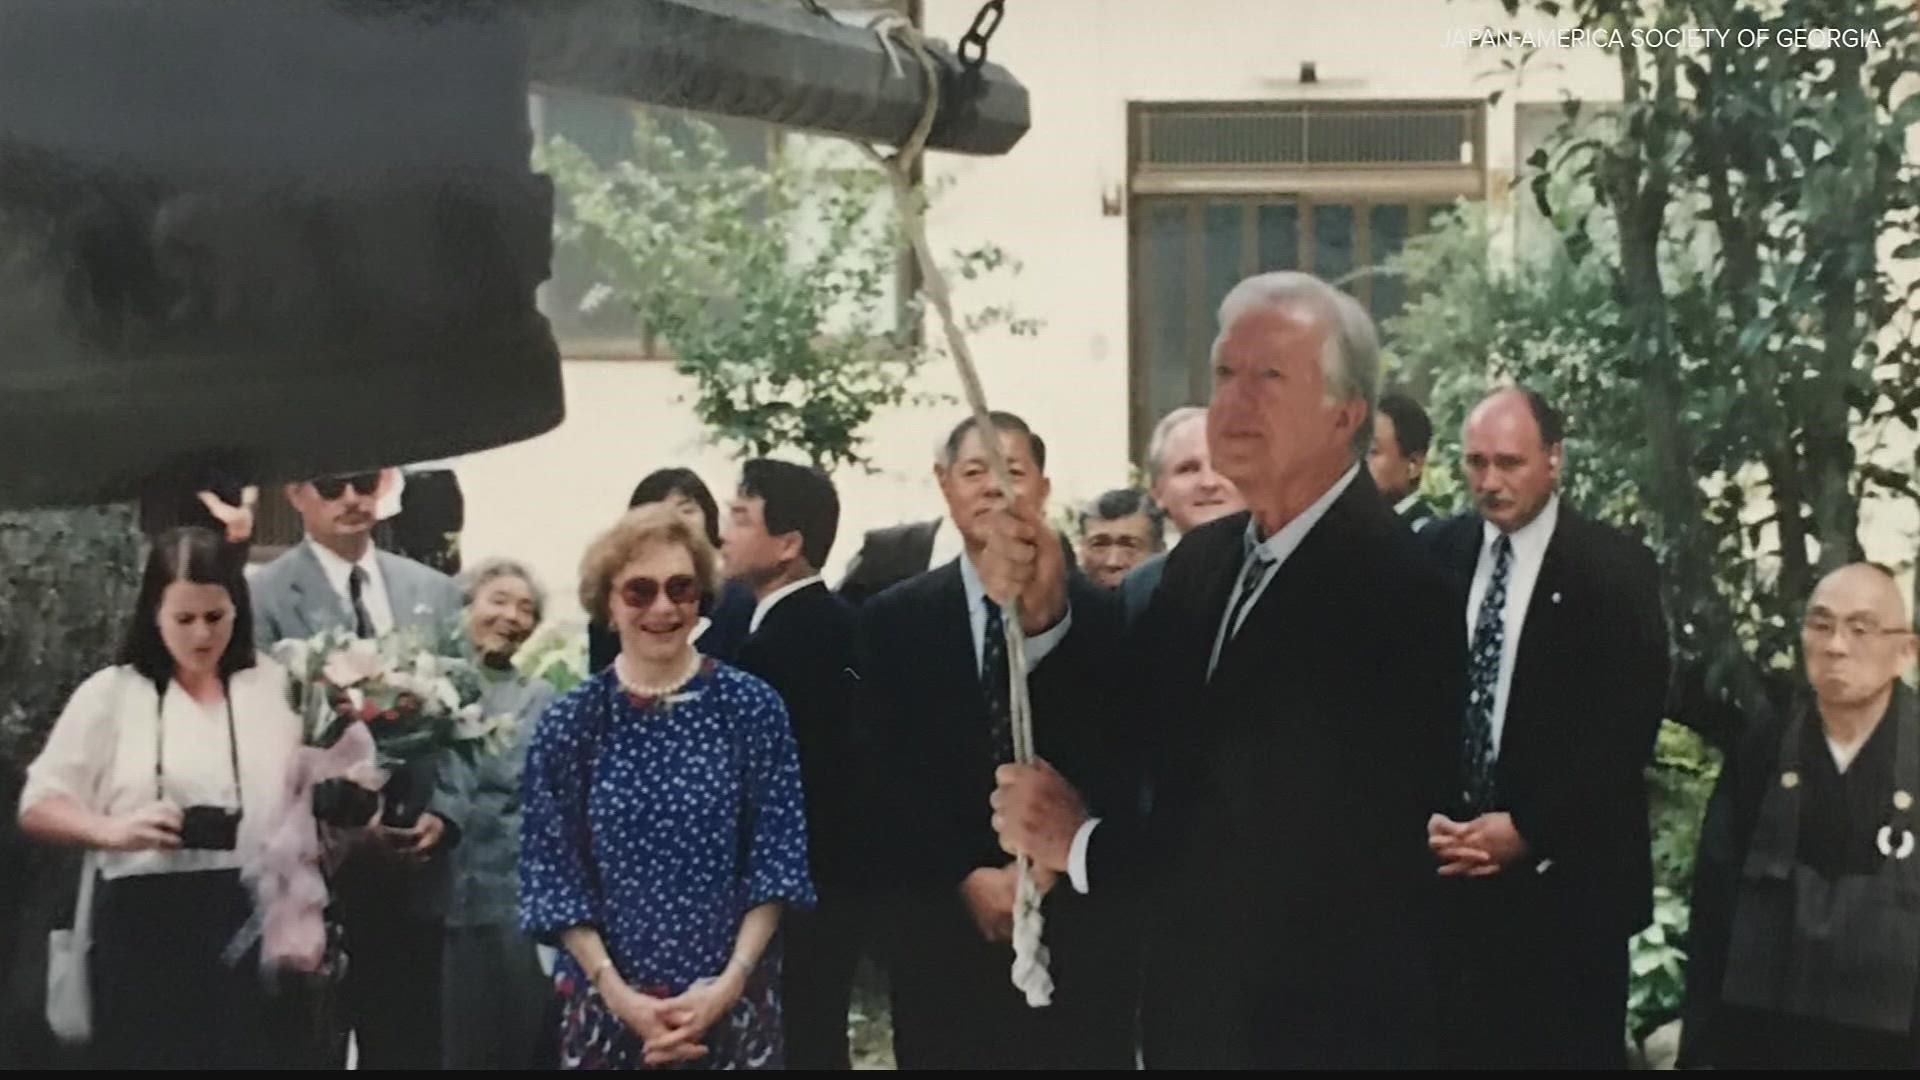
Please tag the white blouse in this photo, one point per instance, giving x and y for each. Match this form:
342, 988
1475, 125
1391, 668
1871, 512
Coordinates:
101, 755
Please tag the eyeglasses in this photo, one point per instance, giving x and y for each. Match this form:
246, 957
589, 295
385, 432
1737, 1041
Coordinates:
1825, 627
332, 487
640, 592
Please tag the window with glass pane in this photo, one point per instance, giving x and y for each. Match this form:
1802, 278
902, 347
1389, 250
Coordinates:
1189, 251
603, 128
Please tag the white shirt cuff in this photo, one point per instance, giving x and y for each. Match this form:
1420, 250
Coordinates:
1039, 645
1077, 856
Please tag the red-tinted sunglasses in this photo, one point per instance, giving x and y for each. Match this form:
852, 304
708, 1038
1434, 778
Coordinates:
640, 592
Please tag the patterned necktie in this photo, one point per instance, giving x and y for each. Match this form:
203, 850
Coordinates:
356, 588
1483, 680
1258, 560
994, 682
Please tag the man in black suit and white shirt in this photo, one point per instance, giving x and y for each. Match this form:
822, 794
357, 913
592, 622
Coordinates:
779, 529
1545, 834
1402, 434
934, 668
392, 898
1284, 849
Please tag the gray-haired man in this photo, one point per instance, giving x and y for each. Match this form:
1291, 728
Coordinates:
1185, 488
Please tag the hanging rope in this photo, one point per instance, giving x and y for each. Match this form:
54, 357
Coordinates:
1030, 955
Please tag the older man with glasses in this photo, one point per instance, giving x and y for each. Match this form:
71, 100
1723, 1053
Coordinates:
1804, 950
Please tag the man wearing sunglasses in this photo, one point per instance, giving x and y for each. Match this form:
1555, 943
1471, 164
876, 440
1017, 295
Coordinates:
393, 898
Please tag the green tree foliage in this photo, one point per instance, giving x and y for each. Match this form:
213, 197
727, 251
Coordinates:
1715, 307
774, 287
69, 582
1716, 311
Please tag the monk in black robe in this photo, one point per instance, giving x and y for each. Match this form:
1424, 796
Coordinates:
1805, 942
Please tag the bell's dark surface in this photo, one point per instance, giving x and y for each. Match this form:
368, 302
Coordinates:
299, 236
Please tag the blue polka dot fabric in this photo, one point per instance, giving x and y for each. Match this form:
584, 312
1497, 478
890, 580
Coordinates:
662, 823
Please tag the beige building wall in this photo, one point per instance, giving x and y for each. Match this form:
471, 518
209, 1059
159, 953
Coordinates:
1083, 61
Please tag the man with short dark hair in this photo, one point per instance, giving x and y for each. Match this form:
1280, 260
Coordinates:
1402, 435
779, 529
1544, 841
1117, 531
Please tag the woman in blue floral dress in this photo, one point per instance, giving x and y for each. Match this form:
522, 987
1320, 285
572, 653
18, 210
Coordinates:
663, 829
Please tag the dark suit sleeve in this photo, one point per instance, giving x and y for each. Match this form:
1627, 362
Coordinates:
1724, 837
853, 588
924, 846
1606, 748
1119, 853
872, 568
1083, 722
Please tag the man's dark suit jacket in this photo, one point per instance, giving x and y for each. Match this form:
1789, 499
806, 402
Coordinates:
1589, 688
954, 1003
1285, 849
887, 557
1418, 515
804, 650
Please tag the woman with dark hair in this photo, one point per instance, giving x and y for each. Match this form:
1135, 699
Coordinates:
168, 768
726, 614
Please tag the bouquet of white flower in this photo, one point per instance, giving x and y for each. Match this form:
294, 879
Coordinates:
413, 701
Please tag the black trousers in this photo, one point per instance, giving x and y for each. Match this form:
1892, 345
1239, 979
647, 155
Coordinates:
822, 948
494, 1000
162, 997
955, 1006
392, 990
1525, 985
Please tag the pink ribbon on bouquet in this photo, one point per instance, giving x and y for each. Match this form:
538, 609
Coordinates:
290, 888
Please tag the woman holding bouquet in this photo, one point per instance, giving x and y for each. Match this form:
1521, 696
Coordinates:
493, 992
169, 768
663, 829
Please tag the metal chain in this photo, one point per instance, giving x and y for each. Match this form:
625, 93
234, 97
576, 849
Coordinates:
973, 47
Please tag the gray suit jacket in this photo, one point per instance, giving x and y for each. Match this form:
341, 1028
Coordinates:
292, 598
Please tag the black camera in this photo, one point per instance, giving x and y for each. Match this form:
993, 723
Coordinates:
209, 828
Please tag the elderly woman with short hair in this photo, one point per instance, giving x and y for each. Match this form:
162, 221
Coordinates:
664, 828
495, 995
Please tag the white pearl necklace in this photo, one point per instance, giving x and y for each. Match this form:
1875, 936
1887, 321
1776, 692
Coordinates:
640, 689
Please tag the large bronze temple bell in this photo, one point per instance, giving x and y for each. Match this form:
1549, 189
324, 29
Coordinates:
291, 236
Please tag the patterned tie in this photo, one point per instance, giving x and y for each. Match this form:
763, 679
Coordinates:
1258, 560
362, 619
994, 682
1483, 680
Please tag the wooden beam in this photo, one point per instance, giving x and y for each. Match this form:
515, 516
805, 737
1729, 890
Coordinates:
775, 62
